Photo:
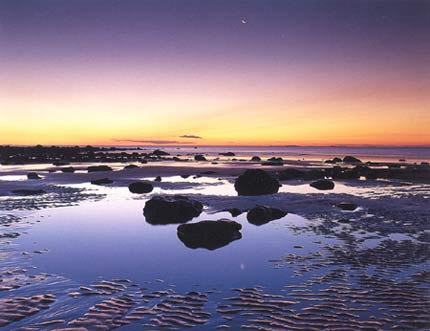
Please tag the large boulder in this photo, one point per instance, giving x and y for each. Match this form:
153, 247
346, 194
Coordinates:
323, 184
256, 182
140, 187
262, 215
171, 209
209, 234
99, 168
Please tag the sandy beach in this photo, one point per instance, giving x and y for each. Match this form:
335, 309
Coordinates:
81, 254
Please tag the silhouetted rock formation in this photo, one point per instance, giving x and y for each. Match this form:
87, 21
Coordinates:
256, 159
323, 184
262, 215
171, 209
157, 179
199, 157
131, 166
99, 168
102, 181
33, 175
347, 206
351, 159
140, 187
256, 182
209, 234
227, 154
159, 152
68, 169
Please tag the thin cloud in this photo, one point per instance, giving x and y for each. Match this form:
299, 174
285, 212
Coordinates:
190, 136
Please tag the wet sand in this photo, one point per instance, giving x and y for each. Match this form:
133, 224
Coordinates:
81, 256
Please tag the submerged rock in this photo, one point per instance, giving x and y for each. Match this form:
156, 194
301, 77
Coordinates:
28, 192
159, 152
140, 187
33, 175
131, 166
209, 234
347, 206
323, 184
227, 154
102, 181
262, 215
99, 168
68, 169
256, 182
171, 209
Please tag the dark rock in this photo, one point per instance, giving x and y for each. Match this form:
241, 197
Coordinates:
101, 181
140, 187
33, 175
143, 161
256, 182
209, 234
334, 160
60, 163
199, 157
256, 159
99, 168
171, 209
351, 159
273, 161
262, 215
28, 192
347, 206
159, 152
234, 211
157, 179
227, 154
68, 169
131, 166
185, 176
323, 184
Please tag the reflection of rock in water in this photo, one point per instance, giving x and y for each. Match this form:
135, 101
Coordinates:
171, 209
209, 234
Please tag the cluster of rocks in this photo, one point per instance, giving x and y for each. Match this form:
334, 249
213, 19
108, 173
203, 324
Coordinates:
61, 156
410, 172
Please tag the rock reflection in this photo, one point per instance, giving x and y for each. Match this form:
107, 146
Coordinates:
209, 234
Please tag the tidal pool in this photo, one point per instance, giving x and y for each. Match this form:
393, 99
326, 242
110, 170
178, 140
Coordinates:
111, 239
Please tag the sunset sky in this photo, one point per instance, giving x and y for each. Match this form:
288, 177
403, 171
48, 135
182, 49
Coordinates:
216, 72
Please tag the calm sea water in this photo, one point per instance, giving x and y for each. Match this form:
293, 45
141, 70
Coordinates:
411, 154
